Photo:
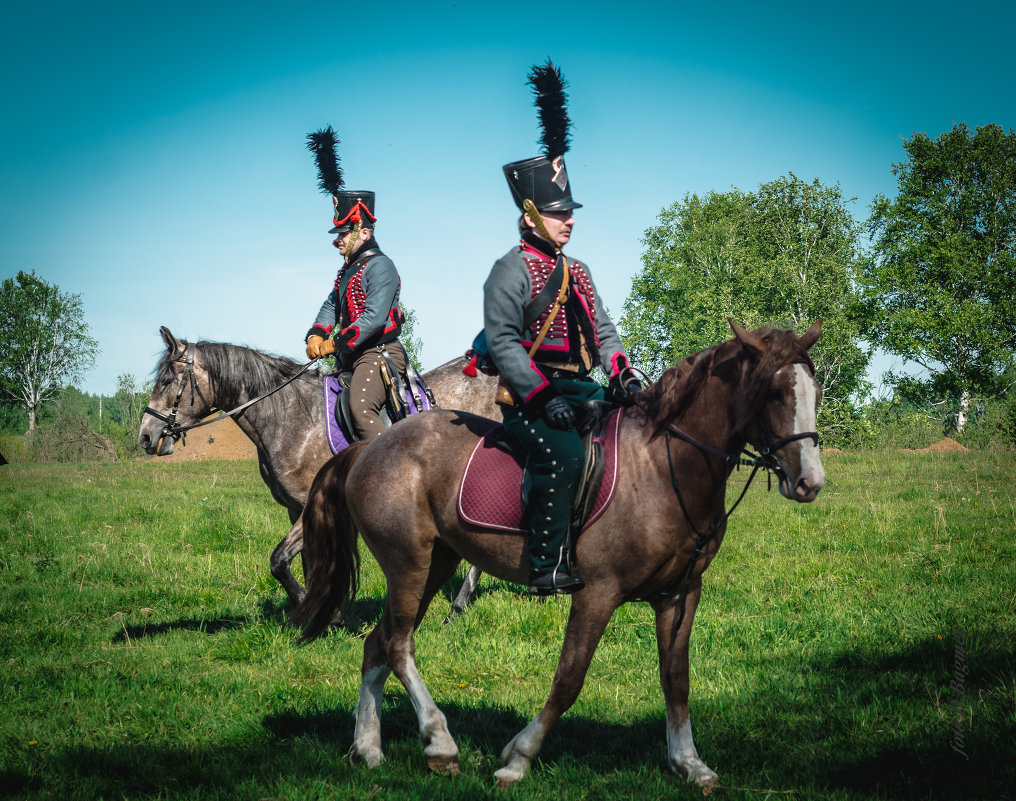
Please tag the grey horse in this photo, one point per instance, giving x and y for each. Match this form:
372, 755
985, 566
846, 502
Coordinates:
287, 427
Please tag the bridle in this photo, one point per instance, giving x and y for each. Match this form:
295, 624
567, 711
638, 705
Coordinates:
765, 459
173, 428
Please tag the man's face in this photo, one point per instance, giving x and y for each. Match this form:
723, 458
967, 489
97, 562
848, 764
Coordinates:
558, 224
342, 240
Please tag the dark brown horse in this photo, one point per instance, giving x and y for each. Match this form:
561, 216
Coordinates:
287, 427
666, 523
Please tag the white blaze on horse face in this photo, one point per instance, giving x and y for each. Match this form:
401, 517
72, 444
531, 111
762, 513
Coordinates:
811, 479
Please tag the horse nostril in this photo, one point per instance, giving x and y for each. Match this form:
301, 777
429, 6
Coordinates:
806, 490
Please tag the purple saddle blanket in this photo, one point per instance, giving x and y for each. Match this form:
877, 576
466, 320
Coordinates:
490, 493
339, 439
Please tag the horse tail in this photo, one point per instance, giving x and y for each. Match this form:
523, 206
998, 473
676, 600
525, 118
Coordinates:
331, 559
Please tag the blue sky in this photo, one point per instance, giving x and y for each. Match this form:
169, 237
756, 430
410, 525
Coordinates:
152, 156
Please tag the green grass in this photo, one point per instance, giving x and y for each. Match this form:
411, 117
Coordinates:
143, 651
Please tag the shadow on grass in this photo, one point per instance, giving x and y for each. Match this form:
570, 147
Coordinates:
276, 610
852, 733
205, 626
887, 730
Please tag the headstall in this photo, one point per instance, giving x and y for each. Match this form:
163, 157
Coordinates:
765, 459
174, 429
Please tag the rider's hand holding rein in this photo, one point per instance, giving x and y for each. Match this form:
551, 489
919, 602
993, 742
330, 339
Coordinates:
559, 414
318, 347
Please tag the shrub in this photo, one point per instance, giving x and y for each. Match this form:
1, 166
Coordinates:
13, 447
895, 424
992, 424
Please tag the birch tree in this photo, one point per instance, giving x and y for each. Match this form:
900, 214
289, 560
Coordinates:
44, 341
783, 255
941, 286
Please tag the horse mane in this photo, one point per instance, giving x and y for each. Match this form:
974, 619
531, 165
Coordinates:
233, 369
668, 398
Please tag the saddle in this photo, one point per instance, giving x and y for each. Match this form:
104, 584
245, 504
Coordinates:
491, 490
406, 395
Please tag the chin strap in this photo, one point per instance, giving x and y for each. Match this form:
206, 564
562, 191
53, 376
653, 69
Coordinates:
530, 208
354, 237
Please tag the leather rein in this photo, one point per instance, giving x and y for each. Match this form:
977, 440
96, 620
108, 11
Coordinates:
765, 459
174, 429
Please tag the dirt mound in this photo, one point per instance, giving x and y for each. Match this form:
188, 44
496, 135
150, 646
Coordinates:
947, 445
223, 440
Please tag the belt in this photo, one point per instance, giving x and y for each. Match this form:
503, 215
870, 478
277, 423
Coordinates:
562, 367
572, 372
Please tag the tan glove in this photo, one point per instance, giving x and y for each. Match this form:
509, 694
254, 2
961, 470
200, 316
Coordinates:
319, 346
314, 347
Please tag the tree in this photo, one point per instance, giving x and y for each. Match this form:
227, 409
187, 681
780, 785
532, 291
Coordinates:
413, 344
783, 255
45, 341
126, 409
941, 286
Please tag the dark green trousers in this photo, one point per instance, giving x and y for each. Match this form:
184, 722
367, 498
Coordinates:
554, 470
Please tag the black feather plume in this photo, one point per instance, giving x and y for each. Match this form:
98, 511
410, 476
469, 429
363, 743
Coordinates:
548, 87
324, 145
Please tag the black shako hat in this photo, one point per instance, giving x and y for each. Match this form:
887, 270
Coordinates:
351, 206
543, 179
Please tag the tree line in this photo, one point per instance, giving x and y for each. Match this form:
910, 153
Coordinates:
928, 276
74, 426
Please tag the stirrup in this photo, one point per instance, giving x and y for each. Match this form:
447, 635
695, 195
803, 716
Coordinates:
554, 583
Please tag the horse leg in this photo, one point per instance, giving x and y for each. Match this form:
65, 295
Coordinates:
282, 558
465, 594
438, 746
682, 756
390, 648
374, 672
586, 623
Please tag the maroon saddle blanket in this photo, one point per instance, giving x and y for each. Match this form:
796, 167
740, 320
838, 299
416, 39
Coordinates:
490, 495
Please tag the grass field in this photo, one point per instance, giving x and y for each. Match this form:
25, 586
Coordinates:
847, 649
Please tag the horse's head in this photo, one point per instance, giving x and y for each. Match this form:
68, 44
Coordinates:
781, 402
178, 398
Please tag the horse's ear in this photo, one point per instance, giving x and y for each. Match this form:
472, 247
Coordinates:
751, 343
172, 344
811, 335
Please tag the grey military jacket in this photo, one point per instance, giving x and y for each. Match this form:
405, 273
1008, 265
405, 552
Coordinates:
515, 279
363, 306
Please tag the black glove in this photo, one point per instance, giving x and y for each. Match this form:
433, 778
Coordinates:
622, 393
559, 414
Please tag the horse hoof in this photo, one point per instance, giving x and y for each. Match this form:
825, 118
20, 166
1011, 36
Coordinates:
695, 771
705, 779
507, 777
371, 758
446, 766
